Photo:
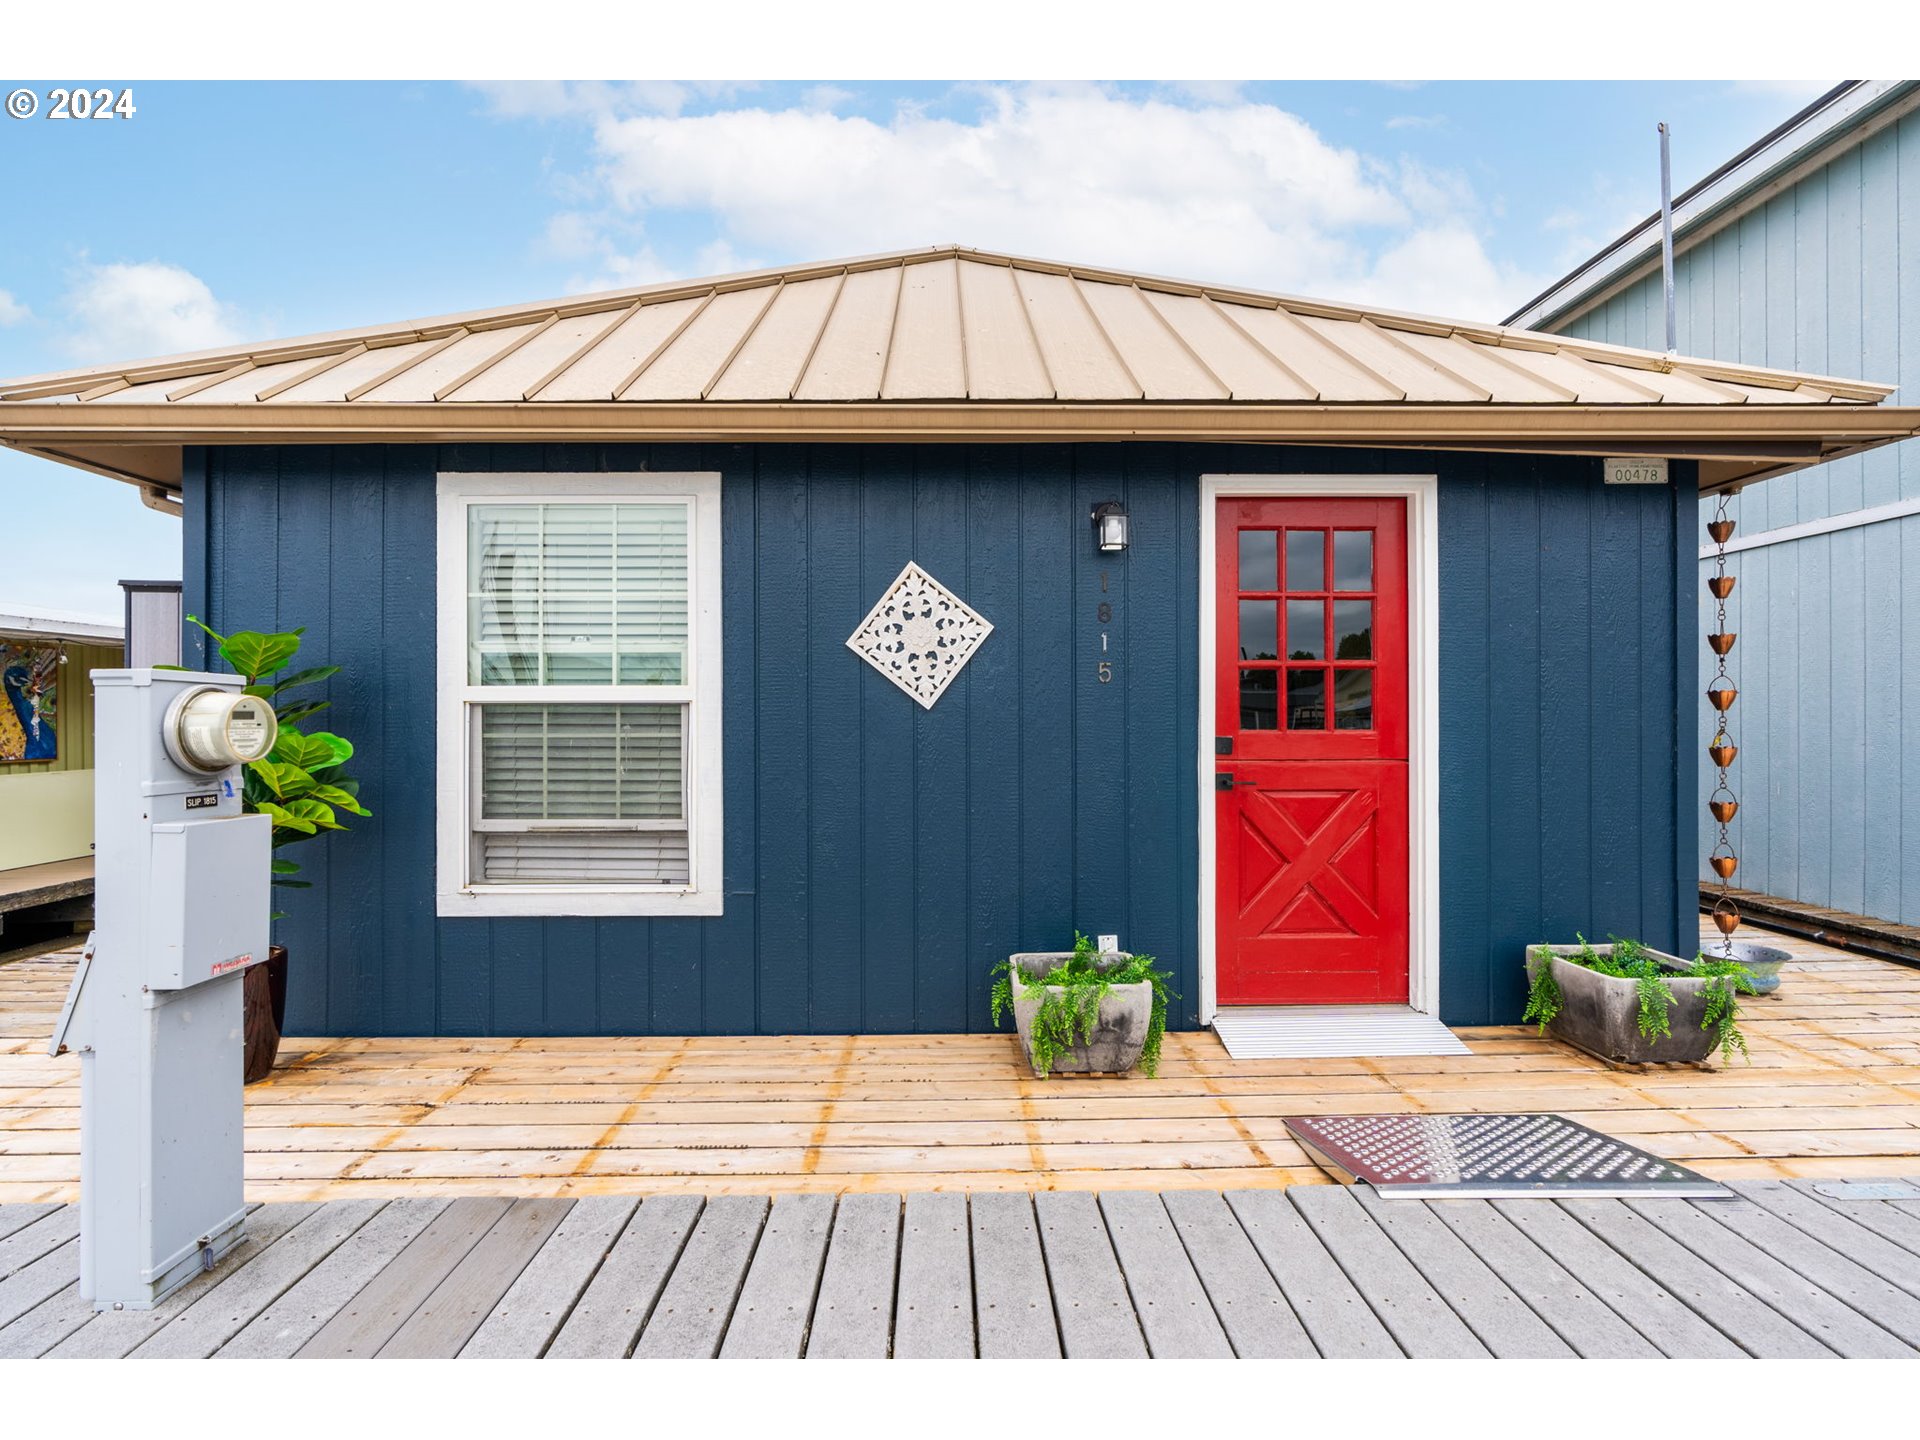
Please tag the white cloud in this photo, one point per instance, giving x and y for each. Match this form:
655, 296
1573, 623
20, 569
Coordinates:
129, 311
1234, 192
826, 97
12, 312
1445, 270
1415, 122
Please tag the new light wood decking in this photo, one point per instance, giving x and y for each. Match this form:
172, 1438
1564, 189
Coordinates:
1834, 1090
1782, 1271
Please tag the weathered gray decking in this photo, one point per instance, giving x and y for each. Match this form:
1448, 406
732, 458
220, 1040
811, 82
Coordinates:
1314, 1270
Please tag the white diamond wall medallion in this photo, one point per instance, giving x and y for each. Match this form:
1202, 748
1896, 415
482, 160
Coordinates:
919, 635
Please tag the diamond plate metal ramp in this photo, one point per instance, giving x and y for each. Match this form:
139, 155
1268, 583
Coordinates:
1466, 1157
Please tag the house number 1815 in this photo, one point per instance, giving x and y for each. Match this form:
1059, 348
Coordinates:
1105, 616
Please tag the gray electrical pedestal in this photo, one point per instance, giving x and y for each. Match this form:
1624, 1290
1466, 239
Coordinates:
181, 911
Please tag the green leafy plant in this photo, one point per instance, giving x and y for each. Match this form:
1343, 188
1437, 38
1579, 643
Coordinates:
1070, 996
1631, 960
301, 785
1729, 980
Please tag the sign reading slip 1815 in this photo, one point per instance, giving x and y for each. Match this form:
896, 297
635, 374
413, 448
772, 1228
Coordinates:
1631, 470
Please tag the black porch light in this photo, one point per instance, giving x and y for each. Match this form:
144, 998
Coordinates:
1110, 526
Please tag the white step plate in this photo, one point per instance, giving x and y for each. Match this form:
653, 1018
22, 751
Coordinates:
1300, 1032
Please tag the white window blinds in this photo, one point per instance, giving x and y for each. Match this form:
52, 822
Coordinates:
580, 762
579, 595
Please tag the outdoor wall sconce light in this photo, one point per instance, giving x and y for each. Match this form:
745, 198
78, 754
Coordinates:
1110, 526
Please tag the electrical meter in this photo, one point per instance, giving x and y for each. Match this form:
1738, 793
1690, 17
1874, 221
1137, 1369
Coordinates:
209, 730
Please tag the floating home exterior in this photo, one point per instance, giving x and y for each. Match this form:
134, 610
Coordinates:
46, 736
741, 656
1799, 253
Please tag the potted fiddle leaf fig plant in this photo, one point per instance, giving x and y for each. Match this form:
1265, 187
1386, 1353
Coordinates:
302, 787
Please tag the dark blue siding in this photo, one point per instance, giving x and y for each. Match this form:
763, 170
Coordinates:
880, 858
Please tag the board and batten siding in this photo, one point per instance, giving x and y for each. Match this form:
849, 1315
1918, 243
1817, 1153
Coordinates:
1824, 277
881, 858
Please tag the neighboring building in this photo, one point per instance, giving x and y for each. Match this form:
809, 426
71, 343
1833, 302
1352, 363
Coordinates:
46, 760
740, 655
1804, 252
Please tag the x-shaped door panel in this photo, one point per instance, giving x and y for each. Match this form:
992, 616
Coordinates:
1313, 907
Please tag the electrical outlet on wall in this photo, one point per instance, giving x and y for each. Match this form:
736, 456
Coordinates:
1109, 944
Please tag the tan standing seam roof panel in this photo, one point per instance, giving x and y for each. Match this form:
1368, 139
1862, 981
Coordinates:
944, 326
335, 385
596, 372
769, 364
850, 360
1154, 353
927, 351
1228, 352
696, 356
1003, 355
1336, 375
1081, 362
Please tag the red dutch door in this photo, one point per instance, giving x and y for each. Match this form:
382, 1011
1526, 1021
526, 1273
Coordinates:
1310, 770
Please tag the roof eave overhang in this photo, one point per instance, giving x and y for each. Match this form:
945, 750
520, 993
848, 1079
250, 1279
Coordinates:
141, 443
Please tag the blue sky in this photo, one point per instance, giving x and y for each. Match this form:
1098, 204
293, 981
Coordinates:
232, 211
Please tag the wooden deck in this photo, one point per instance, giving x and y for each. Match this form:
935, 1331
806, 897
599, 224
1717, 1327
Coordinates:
1843, 929
1834, 1090
39, 884
1784, 1270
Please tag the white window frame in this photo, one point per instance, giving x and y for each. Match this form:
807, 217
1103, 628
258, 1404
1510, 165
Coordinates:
456, 892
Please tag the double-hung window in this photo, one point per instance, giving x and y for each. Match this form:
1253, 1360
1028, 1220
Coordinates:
579, 695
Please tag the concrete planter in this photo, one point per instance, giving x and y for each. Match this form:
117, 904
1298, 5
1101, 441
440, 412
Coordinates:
1119, 1034
1601, 1013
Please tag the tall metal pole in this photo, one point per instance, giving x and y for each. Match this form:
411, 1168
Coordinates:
1666, 234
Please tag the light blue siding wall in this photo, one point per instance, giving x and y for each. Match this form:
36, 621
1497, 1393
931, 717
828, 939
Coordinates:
1823, 277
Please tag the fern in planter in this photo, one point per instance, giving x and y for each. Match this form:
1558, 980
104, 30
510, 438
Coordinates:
1070, 996
1631, 960
301, 785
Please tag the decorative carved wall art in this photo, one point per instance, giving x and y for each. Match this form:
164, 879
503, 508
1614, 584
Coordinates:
919, 635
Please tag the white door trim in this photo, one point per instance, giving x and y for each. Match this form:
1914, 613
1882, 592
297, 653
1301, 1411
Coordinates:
1421, 493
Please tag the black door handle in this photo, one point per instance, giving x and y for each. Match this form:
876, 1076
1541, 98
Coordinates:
1224, 780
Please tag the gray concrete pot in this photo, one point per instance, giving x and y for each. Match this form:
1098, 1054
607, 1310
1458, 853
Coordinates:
1601, 1013
1119, 1034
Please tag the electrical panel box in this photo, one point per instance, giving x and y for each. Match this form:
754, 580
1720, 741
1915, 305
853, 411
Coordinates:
181, 909
203, 930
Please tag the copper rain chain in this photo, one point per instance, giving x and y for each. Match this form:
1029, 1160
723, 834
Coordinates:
1721, 694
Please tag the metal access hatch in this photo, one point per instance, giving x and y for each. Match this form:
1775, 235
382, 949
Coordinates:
1489, 1157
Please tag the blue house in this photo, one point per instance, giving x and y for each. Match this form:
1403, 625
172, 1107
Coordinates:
776, 652
1799, 252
